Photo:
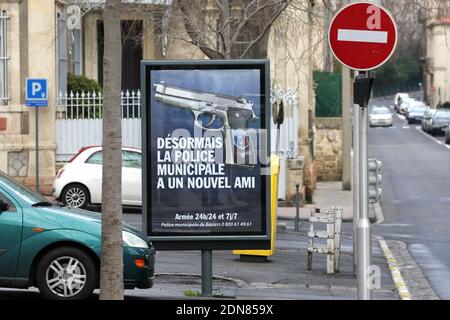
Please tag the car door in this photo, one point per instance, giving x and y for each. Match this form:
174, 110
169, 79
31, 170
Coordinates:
10, 237
131, 178
92, 169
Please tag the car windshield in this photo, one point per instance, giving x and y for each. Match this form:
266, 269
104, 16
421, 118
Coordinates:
22, 192
380, 111
442, 114
419, 108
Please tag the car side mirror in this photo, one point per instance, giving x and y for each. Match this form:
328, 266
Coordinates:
3, 206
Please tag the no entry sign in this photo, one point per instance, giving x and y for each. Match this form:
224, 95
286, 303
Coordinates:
362, 36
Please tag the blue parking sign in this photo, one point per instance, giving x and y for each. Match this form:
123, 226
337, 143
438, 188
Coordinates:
37, 94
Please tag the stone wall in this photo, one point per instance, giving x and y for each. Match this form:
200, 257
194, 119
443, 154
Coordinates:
328, 148
32, 49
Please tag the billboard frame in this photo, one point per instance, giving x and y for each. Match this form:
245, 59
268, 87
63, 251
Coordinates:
204, 242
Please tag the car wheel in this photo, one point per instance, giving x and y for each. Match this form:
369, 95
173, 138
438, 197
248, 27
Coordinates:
66, 274
75, 196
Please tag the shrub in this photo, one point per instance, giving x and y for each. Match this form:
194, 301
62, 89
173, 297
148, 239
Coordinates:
81, 83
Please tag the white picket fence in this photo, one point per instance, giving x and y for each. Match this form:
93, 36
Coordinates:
79, 124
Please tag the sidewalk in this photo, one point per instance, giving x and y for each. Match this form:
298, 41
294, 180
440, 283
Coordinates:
178, 274
283, 277
329, 194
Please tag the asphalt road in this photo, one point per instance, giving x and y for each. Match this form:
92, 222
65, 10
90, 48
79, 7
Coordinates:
416, 195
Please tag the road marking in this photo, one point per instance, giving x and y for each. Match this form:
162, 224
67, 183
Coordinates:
400, 284
431, 137
362, 36
395, 225
405, 127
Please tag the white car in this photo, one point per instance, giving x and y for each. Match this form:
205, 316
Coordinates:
403, 108
399, 97
381, 116
79, 182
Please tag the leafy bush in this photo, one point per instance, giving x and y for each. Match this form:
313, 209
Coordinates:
81, 83
445, 105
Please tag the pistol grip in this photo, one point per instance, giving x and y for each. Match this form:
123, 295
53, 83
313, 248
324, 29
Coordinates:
239, 118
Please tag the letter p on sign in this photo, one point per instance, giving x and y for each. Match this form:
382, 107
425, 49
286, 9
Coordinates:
36, 88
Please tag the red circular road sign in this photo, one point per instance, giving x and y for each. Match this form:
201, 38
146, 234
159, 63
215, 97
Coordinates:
362, 36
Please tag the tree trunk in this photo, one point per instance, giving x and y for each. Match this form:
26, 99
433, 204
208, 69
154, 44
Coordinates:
111, 273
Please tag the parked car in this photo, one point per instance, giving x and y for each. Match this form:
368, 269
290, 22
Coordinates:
403, 108
57, 249
380, 116
439, 121
79, 182
447, 134
415, 111
426, 119
398, 99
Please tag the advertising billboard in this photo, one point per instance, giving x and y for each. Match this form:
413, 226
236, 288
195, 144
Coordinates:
206, 170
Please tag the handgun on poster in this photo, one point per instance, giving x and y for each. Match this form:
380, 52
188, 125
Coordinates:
233, 113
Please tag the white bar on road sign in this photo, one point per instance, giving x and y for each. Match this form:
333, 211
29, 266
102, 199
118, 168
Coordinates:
362, 36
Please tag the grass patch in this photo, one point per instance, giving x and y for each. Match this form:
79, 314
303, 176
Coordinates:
192, 293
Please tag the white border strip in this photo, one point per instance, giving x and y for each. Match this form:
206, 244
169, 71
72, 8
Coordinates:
402, 288
362, 36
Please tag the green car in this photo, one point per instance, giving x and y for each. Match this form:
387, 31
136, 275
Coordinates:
57, 249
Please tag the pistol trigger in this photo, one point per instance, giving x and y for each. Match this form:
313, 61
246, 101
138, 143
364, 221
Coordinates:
213, 118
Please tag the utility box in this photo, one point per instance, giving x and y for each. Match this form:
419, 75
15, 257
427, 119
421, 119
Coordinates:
262, 255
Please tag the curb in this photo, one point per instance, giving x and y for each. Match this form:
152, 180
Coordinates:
239, 283
400, 284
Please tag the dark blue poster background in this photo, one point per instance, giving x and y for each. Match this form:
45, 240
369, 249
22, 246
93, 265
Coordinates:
179, 210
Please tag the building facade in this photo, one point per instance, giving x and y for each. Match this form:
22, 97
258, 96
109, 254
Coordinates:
437, 62
29, 48
49, 38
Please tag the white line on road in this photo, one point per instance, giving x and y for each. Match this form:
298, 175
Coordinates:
395, 225
362, 36
405, 127
431, 137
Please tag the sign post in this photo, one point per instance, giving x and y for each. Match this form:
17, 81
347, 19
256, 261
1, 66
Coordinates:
362, 36
36, 96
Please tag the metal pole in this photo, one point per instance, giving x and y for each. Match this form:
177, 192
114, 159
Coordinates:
207, 274
297, 209
356, 203
37, 148
346, 128
363, 232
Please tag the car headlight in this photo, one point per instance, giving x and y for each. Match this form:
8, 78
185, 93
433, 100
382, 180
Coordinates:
132, 240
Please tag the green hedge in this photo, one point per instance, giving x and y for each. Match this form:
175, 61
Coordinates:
328, 94
81, 83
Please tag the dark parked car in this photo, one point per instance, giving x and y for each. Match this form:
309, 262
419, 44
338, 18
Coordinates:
439, 121
415, 112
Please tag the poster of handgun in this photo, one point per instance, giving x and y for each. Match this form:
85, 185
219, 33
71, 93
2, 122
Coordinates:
208, 147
